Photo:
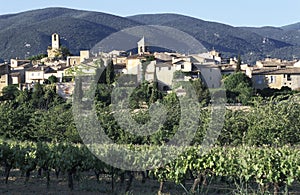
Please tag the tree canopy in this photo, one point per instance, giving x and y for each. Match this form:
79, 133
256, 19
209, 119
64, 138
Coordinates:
238, 88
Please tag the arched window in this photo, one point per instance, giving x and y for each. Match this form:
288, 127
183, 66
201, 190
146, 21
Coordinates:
141, 49
54, 37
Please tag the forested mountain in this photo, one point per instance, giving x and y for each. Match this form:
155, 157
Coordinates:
28, 33
78, 30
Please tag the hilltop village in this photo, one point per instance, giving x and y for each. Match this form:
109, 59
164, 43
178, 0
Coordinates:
59, 124
56, 66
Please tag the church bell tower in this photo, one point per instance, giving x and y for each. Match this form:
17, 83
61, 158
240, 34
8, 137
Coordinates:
55, 41
141, 46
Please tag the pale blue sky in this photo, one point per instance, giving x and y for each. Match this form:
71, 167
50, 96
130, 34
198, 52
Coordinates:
233, 12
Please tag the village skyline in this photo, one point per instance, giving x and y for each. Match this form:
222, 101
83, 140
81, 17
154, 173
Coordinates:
115, 100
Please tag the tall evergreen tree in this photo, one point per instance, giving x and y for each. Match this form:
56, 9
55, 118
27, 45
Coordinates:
155, 95
38, 96
78, 93
110, 72
238, 64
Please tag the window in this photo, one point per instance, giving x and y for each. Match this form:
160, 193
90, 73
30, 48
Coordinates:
272, 79
258, 80
54, 37
32, 74
288, 77
182, 66
169, 68
159, 68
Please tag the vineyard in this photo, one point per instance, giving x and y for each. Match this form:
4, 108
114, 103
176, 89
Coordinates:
256, 151
242, 169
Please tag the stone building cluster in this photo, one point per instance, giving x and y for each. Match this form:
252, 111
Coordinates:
164, 67
25, 73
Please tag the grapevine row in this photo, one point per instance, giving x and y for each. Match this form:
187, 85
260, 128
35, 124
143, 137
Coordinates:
264, 166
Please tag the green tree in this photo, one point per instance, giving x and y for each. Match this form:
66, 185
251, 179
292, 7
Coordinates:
110, 72
274, 122
56, 124
202, 91
14, 121
238, 88
53, 79
65, 52
23, 97
78, 92
103, 94
38, 96
38, 57
155, 93
100, 75
235, 128
10, 92
238, 64
50, 96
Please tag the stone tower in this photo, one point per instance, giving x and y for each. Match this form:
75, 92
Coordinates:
54, 51
141, 46
55, 41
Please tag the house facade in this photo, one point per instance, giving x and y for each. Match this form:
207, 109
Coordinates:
276, 78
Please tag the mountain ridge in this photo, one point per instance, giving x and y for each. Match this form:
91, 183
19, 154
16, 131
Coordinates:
81, 29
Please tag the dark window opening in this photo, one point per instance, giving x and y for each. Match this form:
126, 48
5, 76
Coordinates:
166, 88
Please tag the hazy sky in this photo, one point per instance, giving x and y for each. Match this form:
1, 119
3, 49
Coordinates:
233, 12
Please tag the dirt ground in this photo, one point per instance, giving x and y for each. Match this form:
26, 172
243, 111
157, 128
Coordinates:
86, 184
83, 184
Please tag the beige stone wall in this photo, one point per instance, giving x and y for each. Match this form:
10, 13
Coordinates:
132, 66
165, 76
295, 85
184, 66
52, 53
85, 54
16, 80
277, 82
4, 81
73, 60
119, 60
149, 73
33, 76
14, 63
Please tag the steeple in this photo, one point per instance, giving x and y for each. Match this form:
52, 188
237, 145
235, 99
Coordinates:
141, 46
55, 41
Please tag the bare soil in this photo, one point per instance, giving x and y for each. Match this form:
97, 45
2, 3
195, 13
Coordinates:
86, 183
